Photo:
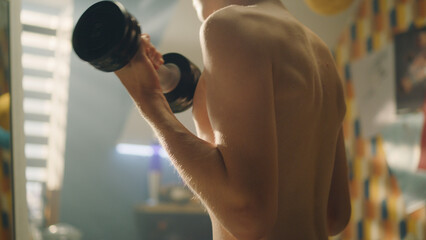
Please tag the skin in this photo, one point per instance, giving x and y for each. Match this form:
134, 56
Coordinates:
269, 160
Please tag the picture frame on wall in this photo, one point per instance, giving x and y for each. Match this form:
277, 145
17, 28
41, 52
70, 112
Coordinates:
410, 65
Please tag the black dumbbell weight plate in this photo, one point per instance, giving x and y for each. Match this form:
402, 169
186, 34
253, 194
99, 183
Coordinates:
181, 98
106, 36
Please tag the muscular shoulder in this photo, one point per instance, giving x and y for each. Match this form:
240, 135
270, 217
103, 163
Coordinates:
233, 55
231, 32
229, 20
231, 25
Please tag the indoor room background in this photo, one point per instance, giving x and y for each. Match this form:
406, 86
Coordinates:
92, 165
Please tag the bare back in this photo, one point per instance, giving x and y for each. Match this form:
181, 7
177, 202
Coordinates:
309, 109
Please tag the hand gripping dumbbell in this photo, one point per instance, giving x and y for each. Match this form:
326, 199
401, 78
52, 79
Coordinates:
107, 36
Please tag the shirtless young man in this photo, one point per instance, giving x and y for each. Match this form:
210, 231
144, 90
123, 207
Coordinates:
269, 160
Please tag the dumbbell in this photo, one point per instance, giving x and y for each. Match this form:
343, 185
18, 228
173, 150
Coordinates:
107, 36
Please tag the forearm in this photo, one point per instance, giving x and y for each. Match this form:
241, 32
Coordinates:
199, 163
203, 168
192, 156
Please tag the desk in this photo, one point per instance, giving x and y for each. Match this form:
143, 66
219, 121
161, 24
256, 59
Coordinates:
173, 222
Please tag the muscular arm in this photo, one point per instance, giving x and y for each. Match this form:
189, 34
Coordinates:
240, 103
339, 208
236, 175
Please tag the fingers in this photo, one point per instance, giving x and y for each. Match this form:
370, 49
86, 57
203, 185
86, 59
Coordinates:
140, 75
151, 52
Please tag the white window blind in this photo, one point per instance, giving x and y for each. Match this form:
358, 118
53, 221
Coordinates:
46, 45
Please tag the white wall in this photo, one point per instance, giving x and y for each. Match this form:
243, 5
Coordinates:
328, 28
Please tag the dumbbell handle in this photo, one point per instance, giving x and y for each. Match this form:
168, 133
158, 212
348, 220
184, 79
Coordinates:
169, 75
